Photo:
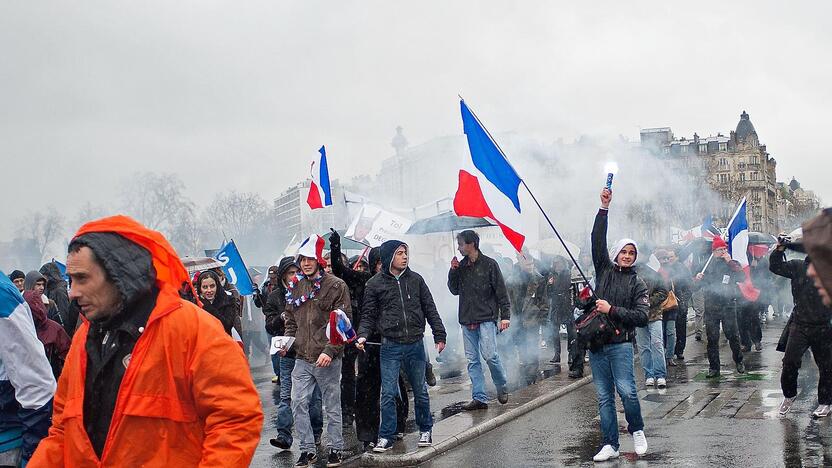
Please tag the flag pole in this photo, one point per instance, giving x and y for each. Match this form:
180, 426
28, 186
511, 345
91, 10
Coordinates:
523, 181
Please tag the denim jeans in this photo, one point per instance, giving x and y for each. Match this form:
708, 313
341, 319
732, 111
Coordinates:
411, 358
651, 350
305, 378
612, 369
669, 329
483, 341
276, 364
284, 420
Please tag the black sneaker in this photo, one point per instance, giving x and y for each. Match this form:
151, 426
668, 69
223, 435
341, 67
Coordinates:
758, 346
425, 439
698, 337
282, 444
741, 367
474, 405
368, 446
712, 373
430, 377
307, 459
502, 396
317, 440
573, 374
383, 445
334, 458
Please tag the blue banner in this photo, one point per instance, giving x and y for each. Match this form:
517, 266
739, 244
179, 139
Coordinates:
234, 268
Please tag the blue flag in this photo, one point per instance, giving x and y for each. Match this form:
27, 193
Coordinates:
234, 268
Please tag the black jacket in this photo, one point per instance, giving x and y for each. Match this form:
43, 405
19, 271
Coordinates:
225, 305
356, 280
399, 307
481, 289
621, 287
276, 304
808, 307
719, 283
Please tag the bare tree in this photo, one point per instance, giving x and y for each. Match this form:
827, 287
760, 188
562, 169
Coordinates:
156, 200
236, 214
89, 212
189, 235
43, 228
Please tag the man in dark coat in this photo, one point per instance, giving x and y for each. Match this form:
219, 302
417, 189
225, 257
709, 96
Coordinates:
720, 283
561, 308
398, 304
808, 328
483, 302
57, 292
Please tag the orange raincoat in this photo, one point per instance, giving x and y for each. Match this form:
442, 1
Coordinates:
187, 397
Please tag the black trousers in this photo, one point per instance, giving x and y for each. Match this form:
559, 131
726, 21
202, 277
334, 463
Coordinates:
819, 340
368, 395
749, 324
348, 382
727, 317
563, 315
681, 329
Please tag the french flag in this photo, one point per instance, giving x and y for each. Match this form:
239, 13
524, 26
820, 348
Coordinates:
320, 193
738, 248
488, 185
339, 330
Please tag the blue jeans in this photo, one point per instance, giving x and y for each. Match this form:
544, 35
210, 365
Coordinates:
651, 350
276, 364
410, 358
284, 420
483, 341
612, 369
669, 327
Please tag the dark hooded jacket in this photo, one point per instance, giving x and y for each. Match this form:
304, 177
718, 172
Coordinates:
276, 304
398, 307
53, 336
657, 290
808, 306
356, 280
225, 305
482, 292
620, 286
719, 284
817, 239
57, 292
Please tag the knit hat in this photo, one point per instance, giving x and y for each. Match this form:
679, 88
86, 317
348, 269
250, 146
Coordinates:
718, 244
17, 274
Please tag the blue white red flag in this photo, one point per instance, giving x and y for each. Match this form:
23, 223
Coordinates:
706, 230
488, 185
320, 192
738, 248
340, 329
235, 268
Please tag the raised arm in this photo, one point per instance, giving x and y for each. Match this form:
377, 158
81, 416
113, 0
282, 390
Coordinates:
600, 252
779, 266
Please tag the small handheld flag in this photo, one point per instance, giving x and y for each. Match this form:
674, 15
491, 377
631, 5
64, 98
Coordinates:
738, 248
339, 330
320, 192
234, 268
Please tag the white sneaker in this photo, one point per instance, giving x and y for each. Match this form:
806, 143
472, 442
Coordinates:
640, 442
650, 382
786, 405
822, 411
661, 382
606, 453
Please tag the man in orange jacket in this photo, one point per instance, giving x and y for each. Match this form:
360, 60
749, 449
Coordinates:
151, 379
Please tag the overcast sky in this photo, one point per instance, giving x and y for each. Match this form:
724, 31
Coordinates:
239, 95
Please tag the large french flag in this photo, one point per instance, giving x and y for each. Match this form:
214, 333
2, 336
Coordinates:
488, 185
738, 248
320, 193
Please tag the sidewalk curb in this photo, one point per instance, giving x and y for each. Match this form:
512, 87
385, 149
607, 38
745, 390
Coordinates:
421, 456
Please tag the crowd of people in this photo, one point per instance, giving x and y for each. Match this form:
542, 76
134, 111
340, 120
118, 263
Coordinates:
135, 354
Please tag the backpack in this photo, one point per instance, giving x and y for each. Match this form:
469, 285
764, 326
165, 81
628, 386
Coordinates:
594, 328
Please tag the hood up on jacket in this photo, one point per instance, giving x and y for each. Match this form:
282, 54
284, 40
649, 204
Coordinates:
31, 278
817, 239
386, 251
619, 246
373, 257
170, 273
49, 332
53, 274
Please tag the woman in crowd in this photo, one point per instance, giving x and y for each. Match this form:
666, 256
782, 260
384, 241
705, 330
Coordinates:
216, 301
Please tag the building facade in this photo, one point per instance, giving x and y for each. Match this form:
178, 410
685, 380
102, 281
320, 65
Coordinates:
296, 220
734, 166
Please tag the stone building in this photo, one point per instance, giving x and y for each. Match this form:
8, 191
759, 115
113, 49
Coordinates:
796, 204
734, 166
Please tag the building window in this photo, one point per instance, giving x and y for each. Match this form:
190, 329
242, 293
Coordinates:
703, 148
666, 150
723, 146
758, 227
742, 176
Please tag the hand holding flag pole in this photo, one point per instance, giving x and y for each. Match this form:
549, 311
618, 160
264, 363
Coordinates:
522, 181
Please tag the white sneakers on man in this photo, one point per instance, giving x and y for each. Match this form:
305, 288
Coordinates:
606, 453
640, 442
822, 411
649, 382
661, 382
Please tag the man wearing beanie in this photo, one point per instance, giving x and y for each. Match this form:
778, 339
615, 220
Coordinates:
18, 278
720, 281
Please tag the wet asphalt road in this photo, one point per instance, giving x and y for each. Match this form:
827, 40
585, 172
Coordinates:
695, 422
